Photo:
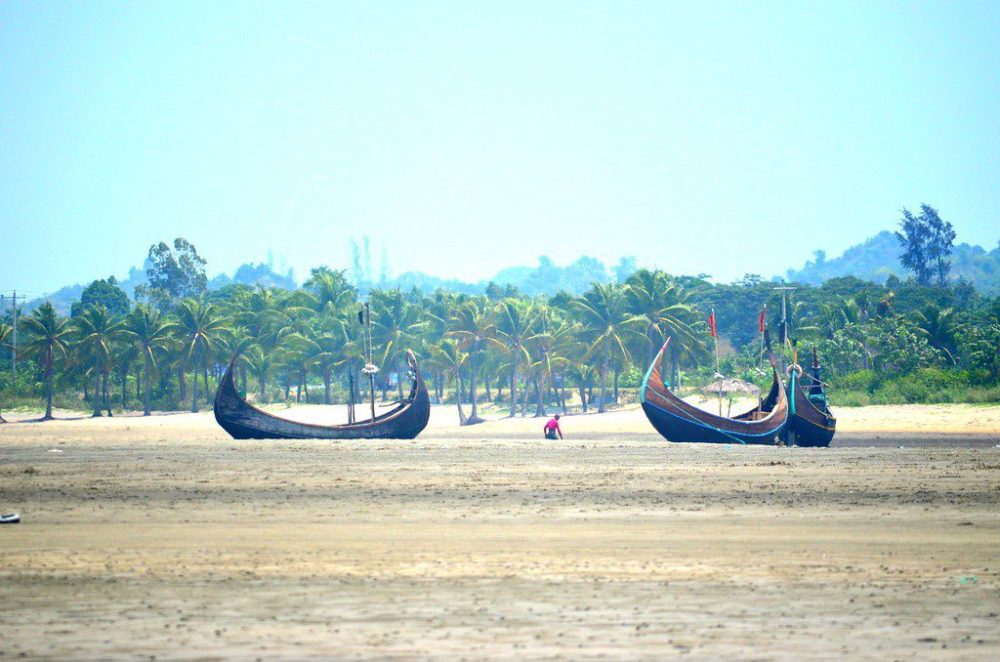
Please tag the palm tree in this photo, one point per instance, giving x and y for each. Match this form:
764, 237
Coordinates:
396, 327
259, 363
97, 331
151, 333
656, 297
48, 338
330, 291
582, 371
124, 355
606, 327
515, 324
5, 331
940, 326
202, 330
447, 354
473, 326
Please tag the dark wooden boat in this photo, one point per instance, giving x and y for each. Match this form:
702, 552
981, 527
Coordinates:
244, 421
677, 420
810, 421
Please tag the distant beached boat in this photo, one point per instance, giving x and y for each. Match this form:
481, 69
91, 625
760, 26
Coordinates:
810, 421
677, 420
244, 421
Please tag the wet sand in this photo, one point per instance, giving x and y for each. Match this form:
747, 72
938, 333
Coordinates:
162, 537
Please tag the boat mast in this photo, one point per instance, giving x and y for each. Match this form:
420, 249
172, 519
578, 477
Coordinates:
370, 368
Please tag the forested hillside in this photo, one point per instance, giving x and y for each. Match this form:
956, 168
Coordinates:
878, 258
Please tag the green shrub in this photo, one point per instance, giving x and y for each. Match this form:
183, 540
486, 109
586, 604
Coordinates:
859, 380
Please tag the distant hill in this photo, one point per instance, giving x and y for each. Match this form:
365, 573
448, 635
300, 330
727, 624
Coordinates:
254, 274
247, 274
875, 259
878, 258
546, 278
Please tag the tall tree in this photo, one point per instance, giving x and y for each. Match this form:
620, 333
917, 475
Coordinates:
97, 330
177, 272
151, 333
927, 242
331, 291
515, 324
447, 355
606, 327
473, 325
940, 327
664, 307
103, 293
397, 326
202, 329
5, 332
48, 339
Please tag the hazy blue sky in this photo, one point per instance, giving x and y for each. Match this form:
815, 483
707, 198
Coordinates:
700, 137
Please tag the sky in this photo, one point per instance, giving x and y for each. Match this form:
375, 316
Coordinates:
464, 137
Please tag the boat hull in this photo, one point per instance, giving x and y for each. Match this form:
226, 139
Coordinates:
244, 421
808, 425
676, 420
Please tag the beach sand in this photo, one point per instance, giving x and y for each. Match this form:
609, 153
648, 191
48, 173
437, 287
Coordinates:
162, 537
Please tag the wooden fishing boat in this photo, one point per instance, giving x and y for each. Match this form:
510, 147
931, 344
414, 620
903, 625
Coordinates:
810, 421
244, 421
677, 420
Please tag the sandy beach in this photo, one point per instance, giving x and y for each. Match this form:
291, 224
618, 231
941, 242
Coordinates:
162, 537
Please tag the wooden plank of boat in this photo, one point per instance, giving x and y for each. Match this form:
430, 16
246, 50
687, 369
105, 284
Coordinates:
677, 420
244, 421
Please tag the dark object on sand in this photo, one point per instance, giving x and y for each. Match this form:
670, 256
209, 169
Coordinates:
677, 420
10, 518
810, 421
244, 421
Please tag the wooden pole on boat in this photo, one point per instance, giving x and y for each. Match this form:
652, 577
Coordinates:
371, 375
761, 322
718, 368
350, 394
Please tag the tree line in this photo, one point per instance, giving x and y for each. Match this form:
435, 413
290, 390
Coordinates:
524, 353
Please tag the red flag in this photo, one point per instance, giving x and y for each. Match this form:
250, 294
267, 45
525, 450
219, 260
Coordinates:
712, 331
762, 320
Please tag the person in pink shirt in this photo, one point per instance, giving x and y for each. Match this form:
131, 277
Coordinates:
552, 428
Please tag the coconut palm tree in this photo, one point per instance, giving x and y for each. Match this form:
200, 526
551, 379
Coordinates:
515, 323
48, 339
447, 355
259, 363
5, 332
397, 325
97, 331
606, 327
940, 326
151, 333
124, 356
656, 297
202, 329
330, 291
473, 325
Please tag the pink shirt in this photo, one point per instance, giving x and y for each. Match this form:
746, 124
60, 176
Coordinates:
553, 424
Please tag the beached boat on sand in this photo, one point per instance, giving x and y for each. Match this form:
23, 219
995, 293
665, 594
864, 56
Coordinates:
677, 420
244, 421
810, 421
